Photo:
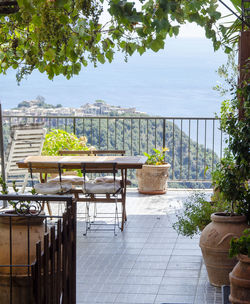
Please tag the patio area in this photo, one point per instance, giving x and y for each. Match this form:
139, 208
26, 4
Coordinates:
147, 263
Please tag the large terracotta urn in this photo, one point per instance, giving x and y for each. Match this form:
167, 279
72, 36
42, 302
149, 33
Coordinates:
215, 244
17, 234
152, 179
240, 281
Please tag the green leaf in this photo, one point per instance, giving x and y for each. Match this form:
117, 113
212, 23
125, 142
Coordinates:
109, 55
156, 45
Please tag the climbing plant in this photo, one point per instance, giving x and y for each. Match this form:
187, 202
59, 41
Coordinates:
60, 36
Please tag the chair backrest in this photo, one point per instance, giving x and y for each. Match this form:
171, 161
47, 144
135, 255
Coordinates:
92, 152
24, 141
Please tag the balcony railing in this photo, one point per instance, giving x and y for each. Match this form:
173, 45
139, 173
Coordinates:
195, 144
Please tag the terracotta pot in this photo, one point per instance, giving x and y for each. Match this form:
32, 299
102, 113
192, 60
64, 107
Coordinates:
240, 281
21, 283
215, 244
153, 179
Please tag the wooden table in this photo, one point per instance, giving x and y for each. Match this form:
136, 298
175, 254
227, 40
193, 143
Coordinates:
50, 164
74, 162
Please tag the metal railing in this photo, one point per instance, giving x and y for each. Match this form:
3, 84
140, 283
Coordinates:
38, 252
195, 144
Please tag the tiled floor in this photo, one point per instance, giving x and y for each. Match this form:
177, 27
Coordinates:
147, 263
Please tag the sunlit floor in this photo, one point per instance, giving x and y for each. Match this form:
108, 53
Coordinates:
146, 263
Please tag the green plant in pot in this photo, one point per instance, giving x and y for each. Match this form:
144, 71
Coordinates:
196, 214
152, 178
231, 180
240, 276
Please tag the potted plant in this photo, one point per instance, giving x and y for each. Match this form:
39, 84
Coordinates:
196, 214
240, 276
152, 178
231, 179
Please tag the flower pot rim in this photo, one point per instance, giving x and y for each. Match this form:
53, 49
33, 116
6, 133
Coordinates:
243, 258
165, 165
228, 218
20, 220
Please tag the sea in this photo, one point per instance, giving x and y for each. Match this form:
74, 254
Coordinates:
177, 81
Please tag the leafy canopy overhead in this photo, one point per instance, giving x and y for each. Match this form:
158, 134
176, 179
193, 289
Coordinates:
59, 36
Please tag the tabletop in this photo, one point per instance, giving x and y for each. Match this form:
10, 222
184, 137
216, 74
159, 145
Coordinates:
74, 162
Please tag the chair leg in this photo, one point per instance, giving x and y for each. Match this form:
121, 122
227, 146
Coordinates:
49, 208
25, 182
87, 219
123, 216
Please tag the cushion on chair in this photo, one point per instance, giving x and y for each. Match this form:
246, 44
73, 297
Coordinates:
73, 179
110, 179
52, 188
101, 188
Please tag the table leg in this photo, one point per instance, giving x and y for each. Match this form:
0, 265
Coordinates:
124, 214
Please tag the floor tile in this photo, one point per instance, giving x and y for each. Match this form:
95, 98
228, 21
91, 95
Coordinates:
148, 263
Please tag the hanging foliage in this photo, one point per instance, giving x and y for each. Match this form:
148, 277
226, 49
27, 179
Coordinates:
60, 36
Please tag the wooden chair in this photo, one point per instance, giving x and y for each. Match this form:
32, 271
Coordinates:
25, 140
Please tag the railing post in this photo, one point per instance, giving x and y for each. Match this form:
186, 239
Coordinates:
164, 135
2, 151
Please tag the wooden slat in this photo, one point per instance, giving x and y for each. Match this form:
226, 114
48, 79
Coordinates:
46, 269
53, 265
65, 261
59, 260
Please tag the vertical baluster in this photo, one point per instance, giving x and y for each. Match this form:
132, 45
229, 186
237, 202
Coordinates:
213, 146
131, 136
147, 135
74, 125
115, 134
164, 133
99, 133
91, 127
107, 133
123, 134
155, 134
173, 158
189, 130
205, 148
181, 151
221, 134
139, 136
197, 147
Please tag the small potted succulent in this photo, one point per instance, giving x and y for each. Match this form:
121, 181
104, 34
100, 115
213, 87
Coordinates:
240, 276
152, 178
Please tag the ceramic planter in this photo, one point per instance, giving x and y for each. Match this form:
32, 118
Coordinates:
21, 283
240, 281
215, 244
152, 179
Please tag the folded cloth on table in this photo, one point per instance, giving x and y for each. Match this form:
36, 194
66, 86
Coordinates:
73, 179
110, 179
52, 188
101, 188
